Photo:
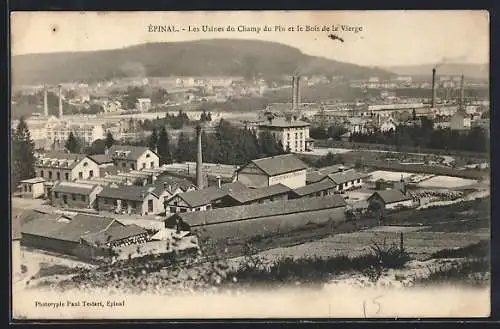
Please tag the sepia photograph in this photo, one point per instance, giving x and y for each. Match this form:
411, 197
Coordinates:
250, 164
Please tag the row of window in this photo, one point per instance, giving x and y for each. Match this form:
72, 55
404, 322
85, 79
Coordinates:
73, 196
132, 165
66, 175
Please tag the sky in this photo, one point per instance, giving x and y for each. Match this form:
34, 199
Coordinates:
386, 38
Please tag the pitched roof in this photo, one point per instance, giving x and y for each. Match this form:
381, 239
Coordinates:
344, 176
77, 227
279, 164
283, 123
100, 158
314, 187
276, 208
205, 196
317, 175
59, 159
127, 192
114, 233
127, 152
391, 196
175, 182
248, 195
74, 188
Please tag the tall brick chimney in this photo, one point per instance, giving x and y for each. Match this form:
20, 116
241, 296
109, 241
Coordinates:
60, 102
462, 92
294, 94
199, 159
433, 99
297, 92
45, 102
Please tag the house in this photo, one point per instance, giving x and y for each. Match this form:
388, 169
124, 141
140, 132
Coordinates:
143, 104
346, 180
139, 200
290, 132
388, 125
254, 196
75, 236
65, 166
321, 188
32, 188
134, 157
286, 169
317, 175
391, 199
243, 222
74, 195
201, 200
460, 121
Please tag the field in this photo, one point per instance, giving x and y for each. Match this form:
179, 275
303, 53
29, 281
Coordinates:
393, 176
325, 151
419, 244
446, 182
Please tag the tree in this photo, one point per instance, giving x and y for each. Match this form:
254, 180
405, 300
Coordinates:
23, 158
72, 144
184, 148
110, 141
153, 140
164, 147
209, 117
268, 146
414, 114
98, 146
159, 96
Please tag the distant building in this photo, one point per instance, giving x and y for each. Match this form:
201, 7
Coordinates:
285, 169
291, 133
134, 157
143, 104
390, 199
65, 166
74, 195
255, 196
346, 180
460, 121
321, 188
388, 125
32, 188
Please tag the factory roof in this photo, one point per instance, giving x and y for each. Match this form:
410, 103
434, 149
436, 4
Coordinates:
73, 230
280, 122
173, 183
33, 180
280, 164
74, 188
127, 152
246, 212
248, 195
344, 176
206, 196
129, 192
113, 234
59, 159
100, 158
391, 196
314, 187
317, 175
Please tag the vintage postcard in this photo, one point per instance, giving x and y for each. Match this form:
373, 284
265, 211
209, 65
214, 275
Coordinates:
239, 164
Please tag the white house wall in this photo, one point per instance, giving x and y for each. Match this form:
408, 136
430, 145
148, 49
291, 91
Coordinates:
292, 180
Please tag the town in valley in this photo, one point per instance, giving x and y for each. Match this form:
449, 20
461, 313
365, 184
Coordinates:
137, 181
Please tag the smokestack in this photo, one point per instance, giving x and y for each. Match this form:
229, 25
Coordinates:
199, 159
45, 102
433, 87
294, 99
297, 92
462, 92
219, 182
60, 102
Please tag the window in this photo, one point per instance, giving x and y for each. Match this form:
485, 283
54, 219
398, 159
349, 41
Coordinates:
73, 197
143, 165
50, 174
41, 173
359, 181
66, 176
83, 198
173, 210
147, 155
152, 164
29, 188
56, 195
288, 136
91, 173
80, 175
133, 204
183, 210
150, 205
197, 209
85, 164
132, 166
58, 175
296, 135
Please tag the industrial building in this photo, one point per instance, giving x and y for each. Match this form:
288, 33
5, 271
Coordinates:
74, 195
65, 166
139, 200
32, 188
286, 169
134, 157
292, 133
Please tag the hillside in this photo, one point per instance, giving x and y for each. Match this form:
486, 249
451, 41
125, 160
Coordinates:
219, 57
474, 71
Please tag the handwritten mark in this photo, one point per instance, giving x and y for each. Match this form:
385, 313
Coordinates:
335, 37
374, 302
